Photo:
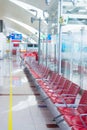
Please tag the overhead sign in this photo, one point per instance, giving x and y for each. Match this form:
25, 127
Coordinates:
16, 37
49, 37
63, 20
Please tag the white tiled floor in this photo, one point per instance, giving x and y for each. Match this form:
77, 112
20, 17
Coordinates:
28, 112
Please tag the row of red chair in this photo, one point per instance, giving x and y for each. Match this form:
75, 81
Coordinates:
29, 54
62, 93
76, 117
37, 71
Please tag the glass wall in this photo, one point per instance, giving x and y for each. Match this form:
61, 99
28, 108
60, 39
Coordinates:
74, 57
73, 52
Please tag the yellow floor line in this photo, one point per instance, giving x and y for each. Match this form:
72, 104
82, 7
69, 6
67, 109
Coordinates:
10, 125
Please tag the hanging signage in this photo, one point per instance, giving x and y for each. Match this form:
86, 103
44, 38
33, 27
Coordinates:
49, 38
16, 37
63, 20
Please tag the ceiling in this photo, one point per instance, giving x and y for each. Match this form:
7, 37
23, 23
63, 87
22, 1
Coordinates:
10, 12
19, 18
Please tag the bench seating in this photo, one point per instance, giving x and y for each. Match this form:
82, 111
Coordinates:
59, 90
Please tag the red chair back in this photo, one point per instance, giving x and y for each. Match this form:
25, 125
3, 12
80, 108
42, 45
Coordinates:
82, 108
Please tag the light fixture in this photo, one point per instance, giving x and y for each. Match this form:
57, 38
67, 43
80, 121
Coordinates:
35, 17
45, 14
32, 10
74, 2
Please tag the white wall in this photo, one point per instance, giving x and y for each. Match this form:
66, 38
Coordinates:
2, 45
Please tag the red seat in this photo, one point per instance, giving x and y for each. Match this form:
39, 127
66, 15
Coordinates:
73, 116
60, 90
78, 128
68, 96
37, 71
49, 81
51, 86
56, 86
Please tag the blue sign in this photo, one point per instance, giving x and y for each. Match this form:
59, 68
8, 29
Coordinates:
49, 37
15, 36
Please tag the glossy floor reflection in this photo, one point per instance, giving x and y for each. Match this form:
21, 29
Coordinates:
20, 101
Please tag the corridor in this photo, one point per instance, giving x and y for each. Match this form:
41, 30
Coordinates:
21, 106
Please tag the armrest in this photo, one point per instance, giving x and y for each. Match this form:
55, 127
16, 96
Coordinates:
45, 79
84, 114
72, 97
83, 105
51, 90
68, 95
66, 105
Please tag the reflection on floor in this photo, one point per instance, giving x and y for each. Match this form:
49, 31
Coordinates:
20, 100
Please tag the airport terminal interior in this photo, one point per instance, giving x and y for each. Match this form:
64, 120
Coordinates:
43, 65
